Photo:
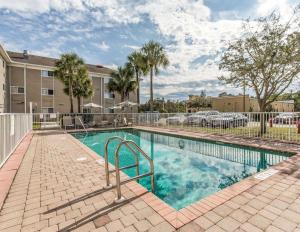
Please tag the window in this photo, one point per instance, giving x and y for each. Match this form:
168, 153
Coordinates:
108, 95
46, 73
47, 92
16, 90
47, 110
4, 87
106, 80
108, 111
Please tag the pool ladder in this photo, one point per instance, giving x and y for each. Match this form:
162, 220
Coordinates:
117, 169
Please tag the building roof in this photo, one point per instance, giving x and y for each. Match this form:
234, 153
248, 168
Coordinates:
285, 101
4, 54
47, 61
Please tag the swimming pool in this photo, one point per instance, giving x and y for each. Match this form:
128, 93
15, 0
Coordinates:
186, 170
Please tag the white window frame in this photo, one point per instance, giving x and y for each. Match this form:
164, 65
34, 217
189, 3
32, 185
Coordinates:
47, 89
15, 86
47, 73
43, 108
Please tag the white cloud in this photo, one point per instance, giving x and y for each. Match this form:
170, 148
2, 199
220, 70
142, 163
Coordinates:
185, 23
38, 6
111, 66
105, 12
266, 7
188, 25
23, 6
115, 11
134, 47
103, 46
194, 34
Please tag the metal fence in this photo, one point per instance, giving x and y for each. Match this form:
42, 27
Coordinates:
13, 128
268, 125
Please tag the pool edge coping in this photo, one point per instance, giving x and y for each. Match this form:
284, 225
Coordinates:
179, 218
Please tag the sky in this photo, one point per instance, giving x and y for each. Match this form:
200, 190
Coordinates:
193, 32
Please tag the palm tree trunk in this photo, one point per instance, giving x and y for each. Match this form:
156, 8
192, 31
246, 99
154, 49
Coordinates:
151, 90
138, 88
122, 97
122, 100
78, 102
71, 96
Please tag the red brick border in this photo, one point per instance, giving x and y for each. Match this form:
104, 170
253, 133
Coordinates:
11, 166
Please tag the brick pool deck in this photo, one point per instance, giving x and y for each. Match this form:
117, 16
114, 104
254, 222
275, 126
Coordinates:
54, 189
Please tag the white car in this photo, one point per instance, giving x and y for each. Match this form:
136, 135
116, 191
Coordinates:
176, 119
286, 118
227, 120
200, 118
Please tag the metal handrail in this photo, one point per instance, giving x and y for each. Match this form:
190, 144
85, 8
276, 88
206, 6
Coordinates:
118, 178
108, 185
81, 124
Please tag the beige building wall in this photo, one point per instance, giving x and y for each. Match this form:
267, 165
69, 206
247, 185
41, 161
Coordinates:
277, 106
231, 103
254, 107
2, 84
283, 106
235, 104
60, 102
16, 81
23, 83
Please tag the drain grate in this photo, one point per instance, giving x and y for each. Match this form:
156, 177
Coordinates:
100, 161
266, 174
81, 159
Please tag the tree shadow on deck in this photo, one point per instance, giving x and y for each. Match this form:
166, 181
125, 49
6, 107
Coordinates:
49, 132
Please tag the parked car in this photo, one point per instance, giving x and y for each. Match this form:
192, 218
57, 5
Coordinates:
176, 120
239, 119
286, 118
200, 118
148, 117
228, 120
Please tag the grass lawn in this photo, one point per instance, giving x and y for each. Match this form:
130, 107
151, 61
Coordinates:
277, 133
36, 126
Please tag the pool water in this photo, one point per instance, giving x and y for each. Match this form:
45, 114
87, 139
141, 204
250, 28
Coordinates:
186, 170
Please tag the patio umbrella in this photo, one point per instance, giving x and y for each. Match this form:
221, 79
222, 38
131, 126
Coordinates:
127, 103
92, 105
115, 107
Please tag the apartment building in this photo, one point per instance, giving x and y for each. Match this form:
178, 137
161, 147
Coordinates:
3, 88
29, 82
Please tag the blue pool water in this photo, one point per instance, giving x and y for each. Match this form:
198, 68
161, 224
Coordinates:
186, 170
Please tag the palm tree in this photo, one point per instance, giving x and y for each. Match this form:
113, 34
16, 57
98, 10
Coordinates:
82, 86
137, 62
122, 82
66, 70
156, 57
